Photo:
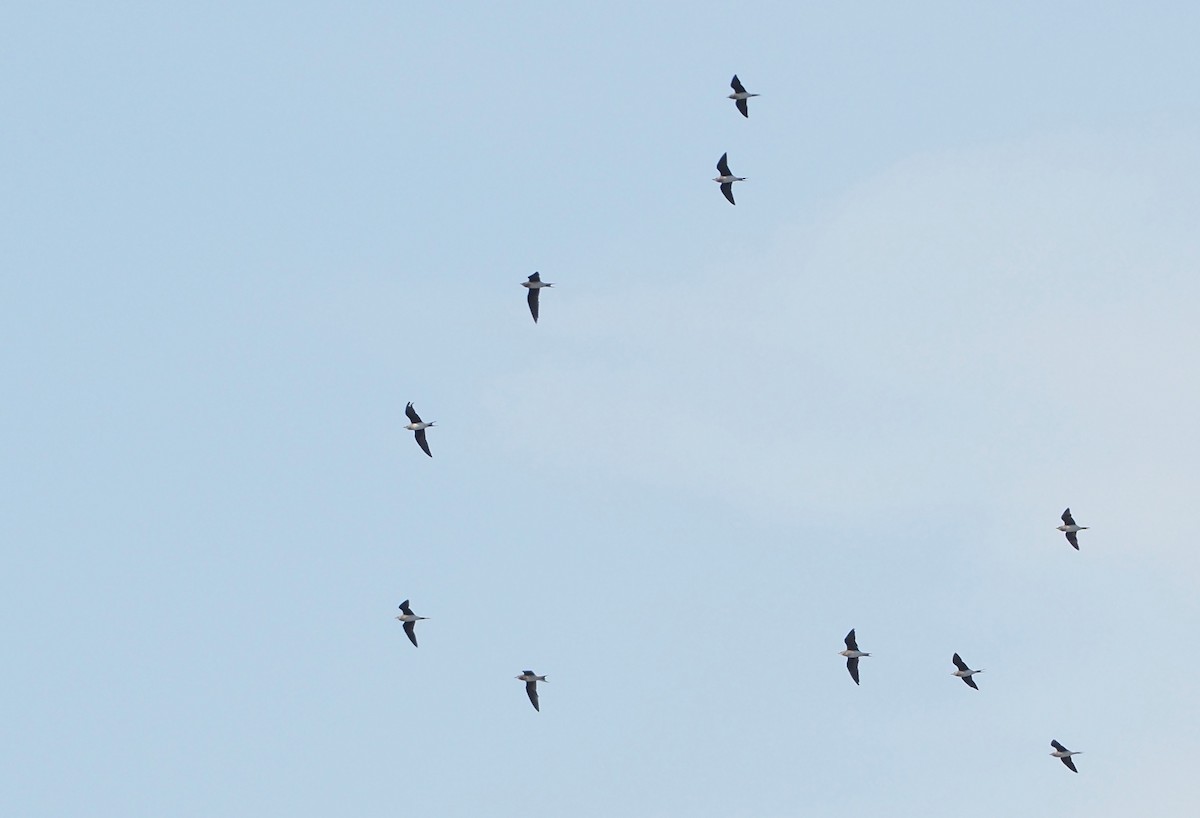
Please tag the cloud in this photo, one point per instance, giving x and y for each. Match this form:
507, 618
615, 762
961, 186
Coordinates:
946, 331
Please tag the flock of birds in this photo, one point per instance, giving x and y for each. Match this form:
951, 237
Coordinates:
852, 653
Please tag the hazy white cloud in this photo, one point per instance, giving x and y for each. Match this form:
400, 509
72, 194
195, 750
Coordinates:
966, 322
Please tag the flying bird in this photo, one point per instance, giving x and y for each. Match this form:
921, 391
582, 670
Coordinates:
419, 426
1064, 755
531, 679
739, 96
410, 620
963, 671
534, 284
852, 654
726, 179
1070, 529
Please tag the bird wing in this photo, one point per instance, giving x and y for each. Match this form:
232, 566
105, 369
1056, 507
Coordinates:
723, 165
422, 442
970, 681
412, 413
404, 607
1070, 764
536, 277
959, 663
852, 666
743, 107
411, 629
1067, 518
532, 299
531, 689
1073, 539
1059, 747
736, 85
851, 642
727, 189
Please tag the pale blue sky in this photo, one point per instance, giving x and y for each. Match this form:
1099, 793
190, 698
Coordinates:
959, 293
